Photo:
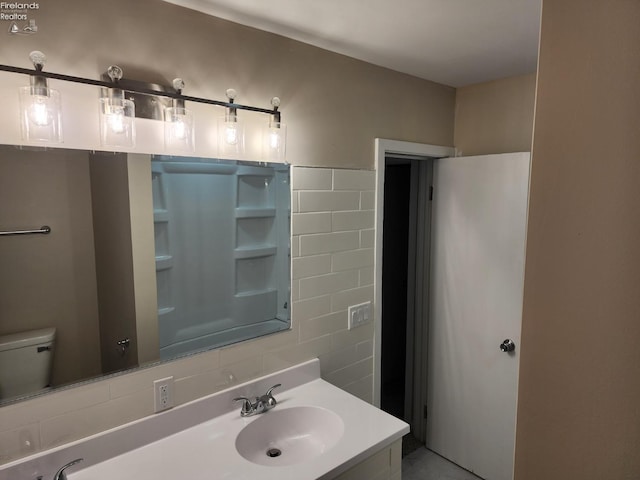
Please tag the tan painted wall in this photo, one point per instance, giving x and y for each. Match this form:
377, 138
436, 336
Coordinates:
496, 116
579, 392
114, 259
334, 105
144, 260
50, 280
125, 258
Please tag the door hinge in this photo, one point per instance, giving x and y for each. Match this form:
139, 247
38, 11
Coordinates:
425, 411
431, 193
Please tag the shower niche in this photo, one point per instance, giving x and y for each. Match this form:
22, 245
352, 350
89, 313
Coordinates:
222, 233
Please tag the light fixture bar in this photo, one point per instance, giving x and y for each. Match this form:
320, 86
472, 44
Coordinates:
145, 91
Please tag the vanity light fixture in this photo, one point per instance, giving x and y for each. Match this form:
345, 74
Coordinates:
41, 114
275, 135
178, 123
117, 114
231, 130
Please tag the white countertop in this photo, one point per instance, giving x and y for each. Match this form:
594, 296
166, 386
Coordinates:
166, 448
207, 451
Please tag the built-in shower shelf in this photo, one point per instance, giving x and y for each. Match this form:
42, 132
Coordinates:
255, 171
247, 212
166, 311
254, 293
160, 216
198, 167
164, 262
254, 252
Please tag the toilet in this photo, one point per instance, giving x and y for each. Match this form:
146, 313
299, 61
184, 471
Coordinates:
25, 362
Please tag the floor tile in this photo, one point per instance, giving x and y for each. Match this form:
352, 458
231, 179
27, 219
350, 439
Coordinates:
423, 464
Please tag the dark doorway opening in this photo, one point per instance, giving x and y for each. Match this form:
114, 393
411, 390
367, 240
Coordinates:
405, 291
395, 253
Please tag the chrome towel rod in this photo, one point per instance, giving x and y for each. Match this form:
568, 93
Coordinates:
45, 229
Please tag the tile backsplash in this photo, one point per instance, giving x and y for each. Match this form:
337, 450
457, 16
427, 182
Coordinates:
332, 254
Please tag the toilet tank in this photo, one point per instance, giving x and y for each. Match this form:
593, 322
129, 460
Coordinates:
25, 362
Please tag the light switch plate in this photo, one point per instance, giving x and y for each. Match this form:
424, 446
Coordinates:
359, 315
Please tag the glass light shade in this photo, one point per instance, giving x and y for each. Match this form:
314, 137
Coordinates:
230, 137
117, 122
274, 142
41, 114
178, 130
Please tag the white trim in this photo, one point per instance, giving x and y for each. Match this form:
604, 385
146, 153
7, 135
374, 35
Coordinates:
382, 148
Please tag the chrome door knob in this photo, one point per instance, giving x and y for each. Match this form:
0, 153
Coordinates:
507, 346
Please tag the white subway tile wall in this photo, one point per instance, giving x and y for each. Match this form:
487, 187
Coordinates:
332, 267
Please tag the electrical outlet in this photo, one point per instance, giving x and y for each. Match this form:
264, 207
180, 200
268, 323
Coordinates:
359, 315
163, 394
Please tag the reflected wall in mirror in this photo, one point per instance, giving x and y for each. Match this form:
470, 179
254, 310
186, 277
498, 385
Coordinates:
148, 258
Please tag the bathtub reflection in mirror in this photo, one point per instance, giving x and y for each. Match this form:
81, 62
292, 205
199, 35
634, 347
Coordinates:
149, 258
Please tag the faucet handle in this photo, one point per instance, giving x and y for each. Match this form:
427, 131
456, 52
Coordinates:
60, 474
269, 399
268, 394
247, 407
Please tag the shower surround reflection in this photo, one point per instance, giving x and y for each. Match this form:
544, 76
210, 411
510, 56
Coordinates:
222, 251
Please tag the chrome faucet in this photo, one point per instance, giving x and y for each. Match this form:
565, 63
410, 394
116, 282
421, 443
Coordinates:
258, 404
60, 474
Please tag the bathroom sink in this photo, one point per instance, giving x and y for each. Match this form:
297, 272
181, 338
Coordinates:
287, 436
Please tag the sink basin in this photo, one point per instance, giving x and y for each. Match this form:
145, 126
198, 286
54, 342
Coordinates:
286, 436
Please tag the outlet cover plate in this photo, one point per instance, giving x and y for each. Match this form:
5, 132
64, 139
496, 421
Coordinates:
162, 394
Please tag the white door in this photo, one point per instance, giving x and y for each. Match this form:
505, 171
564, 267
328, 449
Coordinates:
477, 274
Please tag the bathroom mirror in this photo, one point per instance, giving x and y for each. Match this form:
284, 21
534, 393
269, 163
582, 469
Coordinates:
148, 258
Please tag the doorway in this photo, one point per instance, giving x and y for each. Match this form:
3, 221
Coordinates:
398, 380
398, 255
405, 278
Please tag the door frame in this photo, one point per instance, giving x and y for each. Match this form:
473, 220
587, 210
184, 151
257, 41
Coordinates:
384, 147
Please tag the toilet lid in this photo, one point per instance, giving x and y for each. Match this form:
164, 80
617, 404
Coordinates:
26, 339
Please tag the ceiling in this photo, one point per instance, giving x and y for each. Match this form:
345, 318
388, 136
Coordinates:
454, 42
